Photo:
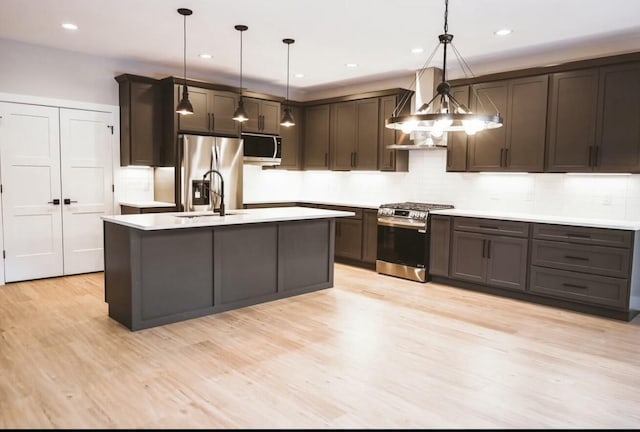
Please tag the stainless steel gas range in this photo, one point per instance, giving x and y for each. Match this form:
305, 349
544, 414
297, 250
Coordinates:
403, 239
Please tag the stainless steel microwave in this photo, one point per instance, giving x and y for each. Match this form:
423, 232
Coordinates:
262, 149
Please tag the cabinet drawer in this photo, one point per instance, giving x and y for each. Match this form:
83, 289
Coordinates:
491, 226
580, 287
585, 235
606, 261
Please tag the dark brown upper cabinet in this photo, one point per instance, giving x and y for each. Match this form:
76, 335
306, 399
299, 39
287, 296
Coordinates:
316, 137
212, 111
264, 116
141, 125
293, 141
457, 141
617, 146
354, 135
519, 144
487, 147
572, 117
390, 159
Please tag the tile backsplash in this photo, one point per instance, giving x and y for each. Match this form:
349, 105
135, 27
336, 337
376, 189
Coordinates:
580, 195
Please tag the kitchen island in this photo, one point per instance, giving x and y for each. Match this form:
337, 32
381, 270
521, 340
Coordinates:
162, 268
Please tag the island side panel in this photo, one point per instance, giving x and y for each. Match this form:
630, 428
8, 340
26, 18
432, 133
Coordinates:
245, 264
117, 272
175, 280
305, 255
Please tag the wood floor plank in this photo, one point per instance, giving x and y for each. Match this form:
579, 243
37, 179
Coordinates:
372, 352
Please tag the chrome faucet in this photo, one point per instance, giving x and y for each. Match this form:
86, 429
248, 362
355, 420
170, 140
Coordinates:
221, 188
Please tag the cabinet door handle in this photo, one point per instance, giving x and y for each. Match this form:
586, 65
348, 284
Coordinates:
484, 248
326, 159
506, 156
570, 285
590, 156
489, 249
355, 159
501, 156
213, 122
596, 151
391, 158
488, 227
68, 201
209, 121
579, 258
56, 201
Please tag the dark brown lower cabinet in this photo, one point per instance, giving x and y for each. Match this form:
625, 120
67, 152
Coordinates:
440, 233
349, 239
492, 260
574, 267
369, 236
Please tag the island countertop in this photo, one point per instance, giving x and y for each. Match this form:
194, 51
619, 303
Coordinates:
173, 220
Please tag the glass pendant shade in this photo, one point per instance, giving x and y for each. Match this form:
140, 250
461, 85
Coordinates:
443, 113
240, 114
287, 117
184, 106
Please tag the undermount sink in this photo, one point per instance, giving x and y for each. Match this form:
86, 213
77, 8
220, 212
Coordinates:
200, 215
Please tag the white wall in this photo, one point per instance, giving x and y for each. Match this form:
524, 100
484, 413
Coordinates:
584, 196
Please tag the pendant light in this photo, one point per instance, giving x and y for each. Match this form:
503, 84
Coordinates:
446, 114
185, 107
287, 116
240, 115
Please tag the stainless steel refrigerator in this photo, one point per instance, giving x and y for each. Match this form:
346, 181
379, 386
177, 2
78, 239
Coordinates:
199, 155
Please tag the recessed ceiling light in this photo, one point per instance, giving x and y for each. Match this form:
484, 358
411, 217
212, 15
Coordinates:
351, 65
206, 56
69, 26
417, 50
299, 75
502, 32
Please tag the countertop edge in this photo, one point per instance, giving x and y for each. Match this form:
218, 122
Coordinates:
165, 221
548, 219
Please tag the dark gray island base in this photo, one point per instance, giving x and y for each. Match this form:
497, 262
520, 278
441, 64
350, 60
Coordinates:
156, 277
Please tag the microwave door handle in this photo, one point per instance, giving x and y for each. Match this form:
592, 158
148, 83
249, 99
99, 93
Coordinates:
275, 147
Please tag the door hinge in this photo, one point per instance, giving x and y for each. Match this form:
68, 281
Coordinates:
0, 188
111, 127
113, 188
4, 255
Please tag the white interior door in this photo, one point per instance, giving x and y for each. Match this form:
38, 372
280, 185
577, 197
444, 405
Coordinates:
30, 170
86, 161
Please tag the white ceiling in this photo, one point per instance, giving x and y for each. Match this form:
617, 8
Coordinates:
378, 35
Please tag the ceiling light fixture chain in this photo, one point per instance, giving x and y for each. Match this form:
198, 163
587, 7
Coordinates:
449, 115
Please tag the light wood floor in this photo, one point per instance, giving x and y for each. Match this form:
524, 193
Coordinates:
372, 352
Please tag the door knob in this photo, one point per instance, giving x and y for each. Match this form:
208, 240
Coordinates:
56, 201
69, 201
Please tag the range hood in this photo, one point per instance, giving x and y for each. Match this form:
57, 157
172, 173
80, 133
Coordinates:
426, 82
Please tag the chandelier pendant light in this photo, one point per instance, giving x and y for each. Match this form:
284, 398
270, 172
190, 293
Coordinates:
240, 115
287, 116
185, 107
443, 113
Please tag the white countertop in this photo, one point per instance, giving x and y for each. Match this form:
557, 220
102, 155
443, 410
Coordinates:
147, 204
529, 217
161, 221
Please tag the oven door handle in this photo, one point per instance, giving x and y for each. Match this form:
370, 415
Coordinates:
418, 226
